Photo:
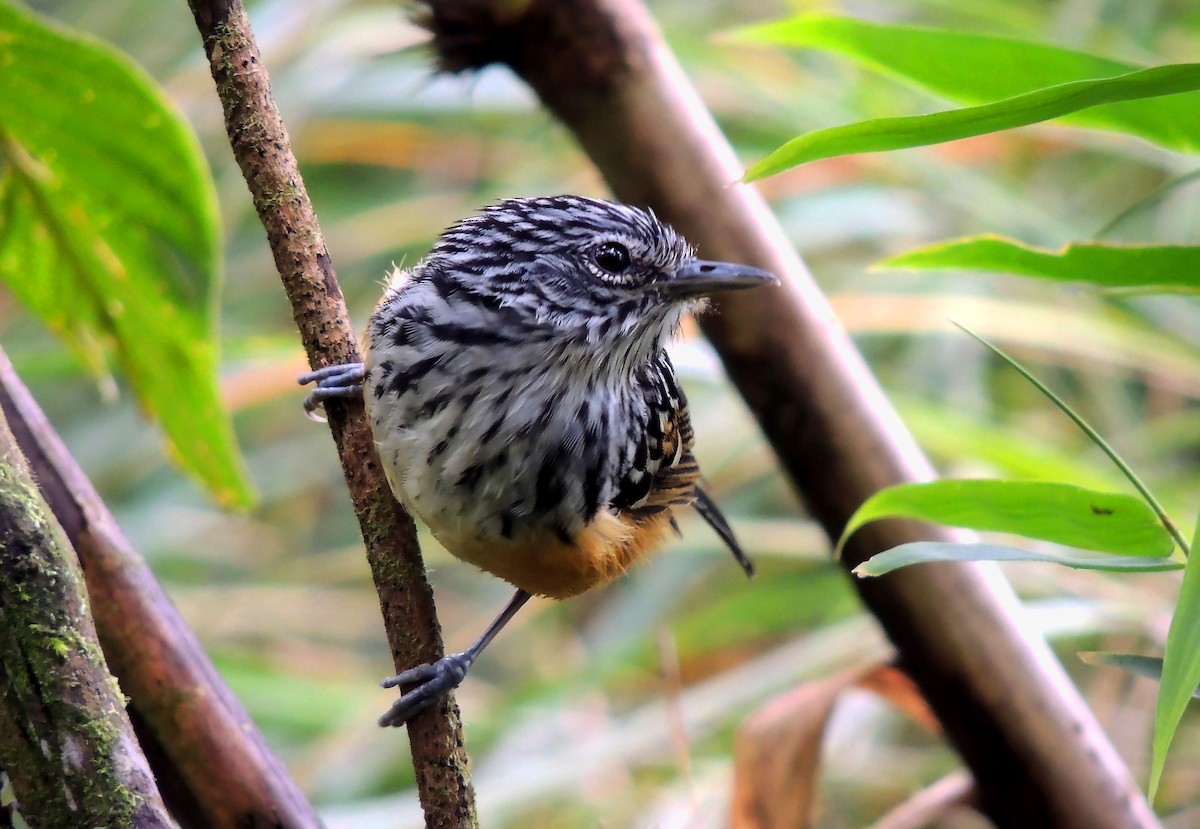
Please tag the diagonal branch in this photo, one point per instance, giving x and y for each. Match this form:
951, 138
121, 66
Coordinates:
1037, 752
212, 765
67, 748
261, 147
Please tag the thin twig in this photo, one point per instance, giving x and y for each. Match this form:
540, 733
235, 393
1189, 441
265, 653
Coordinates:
260, 145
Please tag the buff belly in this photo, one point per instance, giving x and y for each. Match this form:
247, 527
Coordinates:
536, 554
544, 564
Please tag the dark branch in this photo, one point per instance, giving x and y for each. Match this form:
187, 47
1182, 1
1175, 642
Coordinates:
602, 67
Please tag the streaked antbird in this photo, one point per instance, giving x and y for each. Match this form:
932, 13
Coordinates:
523, 404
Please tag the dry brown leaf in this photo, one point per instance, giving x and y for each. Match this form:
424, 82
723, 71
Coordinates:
777, 754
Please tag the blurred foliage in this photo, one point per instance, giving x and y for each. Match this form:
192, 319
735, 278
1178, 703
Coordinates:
573, 719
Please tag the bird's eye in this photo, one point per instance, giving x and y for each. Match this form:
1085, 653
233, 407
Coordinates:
612, 256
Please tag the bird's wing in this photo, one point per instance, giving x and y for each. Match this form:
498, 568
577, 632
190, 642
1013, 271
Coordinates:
664, 473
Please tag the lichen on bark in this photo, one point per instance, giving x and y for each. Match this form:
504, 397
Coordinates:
65, 742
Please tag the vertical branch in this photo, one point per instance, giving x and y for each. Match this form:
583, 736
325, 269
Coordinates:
66, 745
261, 147
1037, 752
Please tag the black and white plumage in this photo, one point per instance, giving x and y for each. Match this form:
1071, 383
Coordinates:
522, 401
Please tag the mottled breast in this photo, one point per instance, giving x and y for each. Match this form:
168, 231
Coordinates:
520, 454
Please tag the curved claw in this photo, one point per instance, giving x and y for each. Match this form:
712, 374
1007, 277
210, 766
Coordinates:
431, 682
342, 381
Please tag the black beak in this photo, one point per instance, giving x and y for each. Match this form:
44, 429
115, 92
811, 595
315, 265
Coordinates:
698, 277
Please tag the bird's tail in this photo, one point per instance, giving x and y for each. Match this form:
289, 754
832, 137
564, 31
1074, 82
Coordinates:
711, 513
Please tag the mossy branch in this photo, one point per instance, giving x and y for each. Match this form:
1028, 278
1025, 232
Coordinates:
66, 744
212, 765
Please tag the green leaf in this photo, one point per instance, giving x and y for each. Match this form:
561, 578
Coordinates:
957, 65
109, 231
925, 552
1150, 667
1181, 665
974, 69
1049, 511
1111, 266
1148, 497
880, 134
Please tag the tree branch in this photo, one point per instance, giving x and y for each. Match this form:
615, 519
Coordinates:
212, 765
66, 744
1036, 750
261, 147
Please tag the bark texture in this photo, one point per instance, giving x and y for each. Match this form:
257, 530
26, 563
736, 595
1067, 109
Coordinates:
1036, 750
213, 766
66, 745
262, 150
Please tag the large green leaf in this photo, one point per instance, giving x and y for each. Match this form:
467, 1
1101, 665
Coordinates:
1115, 266
976, 69
1046, 510
109, 230
926, 552
881, 134
1181, 664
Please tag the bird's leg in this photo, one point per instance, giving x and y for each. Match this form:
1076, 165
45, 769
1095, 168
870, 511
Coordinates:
343, 381
444, 675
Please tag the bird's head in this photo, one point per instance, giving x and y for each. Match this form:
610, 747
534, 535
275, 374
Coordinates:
580, 270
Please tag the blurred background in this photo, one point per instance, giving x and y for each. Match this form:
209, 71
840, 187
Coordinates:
620, 708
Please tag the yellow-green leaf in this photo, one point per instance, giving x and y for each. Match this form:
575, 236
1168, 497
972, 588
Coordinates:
109, 231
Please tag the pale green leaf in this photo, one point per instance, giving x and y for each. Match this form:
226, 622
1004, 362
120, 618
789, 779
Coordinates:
1151, 667
925, 552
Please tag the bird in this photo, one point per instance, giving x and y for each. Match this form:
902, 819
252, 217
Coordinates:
518, 389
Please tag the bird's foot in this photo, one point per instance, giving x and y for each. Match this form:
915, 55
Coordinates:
343, 381
431, 682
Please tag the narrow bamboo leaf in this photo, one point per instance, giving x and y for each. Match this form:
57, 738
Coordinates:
880, 134
925, 552
109, 231
1181, 666
973, 69
1049, 511
1150, 667
1148, 497
1112, 266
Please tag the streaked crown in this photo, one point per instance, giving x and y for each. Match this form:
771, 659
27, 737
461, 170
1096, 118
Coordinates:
567, 268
